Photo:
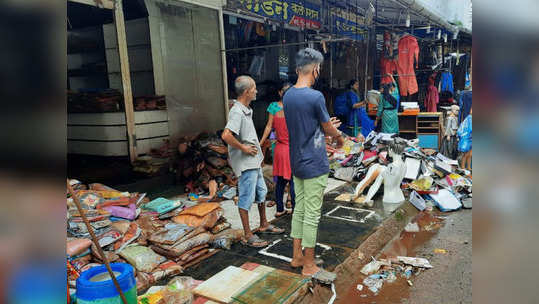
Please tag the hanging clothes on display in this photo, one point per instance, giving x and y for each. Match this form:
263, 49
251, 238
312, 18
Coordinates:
387, 66
408, 54
447, 82
465, 104
388, 49
432, 99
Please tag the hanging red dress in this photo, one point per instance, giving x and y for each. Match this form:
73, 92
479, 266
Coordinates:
281, 154
432, 99
408, 52
387, 66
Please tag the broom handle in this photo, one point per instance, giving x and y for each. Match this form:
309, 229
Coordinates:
96, 243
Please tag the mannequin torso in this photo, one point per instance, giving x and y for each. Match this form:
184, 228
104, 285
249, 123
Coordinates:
393, 176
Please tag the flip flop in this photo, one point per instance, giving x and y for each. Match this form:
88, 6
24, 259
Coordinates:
324, 276
279, 214
254, 239
271, 230
317, 262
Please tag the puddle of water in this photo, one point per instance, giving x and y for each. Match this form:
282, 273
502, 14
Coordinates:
405, 245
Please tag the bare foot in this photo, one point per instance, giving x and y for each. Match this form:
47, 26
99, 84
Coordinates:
309, 271
297, 262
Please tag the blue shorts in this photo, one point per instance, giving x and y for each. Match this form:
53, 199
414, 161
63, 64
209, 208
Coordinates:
252, 188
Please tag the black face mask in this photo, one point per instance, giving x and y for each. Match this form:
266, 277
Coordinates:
315, 77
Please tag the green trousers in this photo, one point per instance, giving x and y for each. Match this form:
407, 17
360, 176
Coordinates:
309, 198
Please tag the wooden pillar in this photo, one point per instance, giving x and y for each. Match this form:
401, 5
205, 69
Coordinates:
126, 80
223, 60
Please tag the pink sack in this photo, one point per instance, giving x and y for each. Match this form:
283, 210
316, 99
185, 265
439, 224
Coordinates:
129, 212
77, 246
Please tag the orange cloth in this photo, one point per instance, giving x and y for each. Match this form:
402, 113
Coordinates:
408, 52
387, 66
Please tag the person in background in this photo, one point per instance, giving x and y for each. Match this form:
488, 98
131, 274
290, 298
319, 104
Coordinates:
308, 120
387, 110
464, 133
281, 154
245, 158
395, 92
357, 121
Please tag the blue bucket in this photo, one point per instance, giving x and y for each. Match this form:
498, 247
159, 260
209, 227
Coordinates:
95, 286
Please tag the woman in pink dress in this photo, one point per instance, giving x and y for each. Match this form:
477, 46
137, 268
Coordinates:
281, 155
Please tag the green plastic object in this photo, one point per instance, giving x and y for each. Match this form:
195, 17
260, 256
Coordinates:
162, 205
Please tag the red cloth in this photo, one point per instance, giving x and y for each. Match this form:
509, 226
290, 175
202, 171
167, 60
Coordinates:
432, 99
281, 154
408, 52
387, 66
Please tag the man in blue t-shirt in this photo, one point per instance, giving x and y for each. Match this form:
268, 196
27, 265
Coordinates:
308, 123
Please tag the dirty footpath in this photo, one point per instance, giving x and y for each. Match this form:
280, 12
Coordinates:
186, 248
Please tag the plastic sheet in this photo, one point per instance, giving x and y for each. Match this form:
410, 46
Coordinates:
464, 133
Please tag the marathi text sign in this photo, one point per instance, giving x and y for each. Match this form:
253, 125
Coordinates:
348, 24
299, 14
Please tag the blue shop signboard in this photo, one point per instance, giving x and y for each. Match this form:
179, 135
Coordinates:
296, 13
348, 24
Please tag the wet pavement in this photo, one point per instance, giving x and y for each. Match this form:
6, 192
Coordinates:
445, 240
343, 227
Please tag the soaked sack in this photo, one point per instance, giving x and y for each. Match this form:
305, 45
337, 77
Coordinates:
142, 258
77, 246
200, 209
221, 225
129, 212
89, 199
129, 237
171, 234
207, 221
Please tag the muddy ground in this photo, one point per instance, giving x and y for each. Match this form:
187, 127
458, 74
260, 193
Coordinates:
450, 279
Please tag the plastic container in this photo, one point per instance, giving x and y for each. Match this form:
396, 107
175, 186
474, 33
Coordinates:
95, 286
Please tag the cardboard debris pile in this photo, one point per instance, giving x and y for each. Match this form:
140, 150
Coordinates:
389, 270
431, 178
159, 238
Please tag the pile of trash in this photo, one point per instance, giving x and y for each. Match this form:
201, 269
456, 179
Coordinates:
201, 164
389, 270
431, 178
159, 238
177, 291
